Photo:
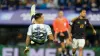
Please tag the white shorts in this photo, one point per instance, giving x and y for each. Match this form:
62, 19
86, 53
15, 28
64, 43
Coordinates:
78, 43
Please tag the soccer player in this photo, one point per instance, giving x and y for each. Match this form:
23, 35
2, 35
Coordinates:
61, 28
38, 32
79, 25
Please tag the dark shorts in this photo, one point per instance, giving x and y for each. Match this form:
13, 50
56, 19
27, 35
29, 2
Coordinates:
62, 38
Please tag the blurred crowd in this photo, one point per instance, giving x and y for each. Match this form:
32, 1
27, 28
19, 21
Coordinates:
93, 5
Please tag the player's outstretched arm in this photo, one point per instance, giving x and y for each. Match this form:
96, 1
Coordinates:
69, 33
94, 31
51, 37
27, 44
49, 32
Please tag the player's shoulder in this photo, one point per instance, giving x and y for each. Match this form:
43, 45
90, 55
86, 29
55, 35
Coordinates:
86, 19
30, 25
74, 19
46, 25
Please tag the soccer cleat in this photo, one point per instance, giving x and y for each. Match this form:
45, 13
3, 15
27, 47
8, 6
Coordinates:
33, 9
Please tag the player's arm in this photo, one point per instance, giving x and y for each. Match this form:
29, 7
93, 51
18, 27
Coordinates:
88, 23
68, 25
51, 37
69, 29
71, 26
49, 33
27, 40
29, 33
27, 44
69, 33
55, 29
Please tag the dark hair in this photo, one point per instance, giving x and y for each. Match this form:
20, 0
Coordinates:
82, 10
36, 16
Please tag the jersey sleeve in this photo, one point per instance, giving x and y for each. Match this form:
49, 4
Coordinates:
29, 32
55, 26
48, 29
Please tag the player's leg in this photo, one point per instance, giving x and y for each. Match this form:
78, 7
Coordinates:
33, 9
33, 12
68, 44
74, 46
73, 51
61, 49
81, 46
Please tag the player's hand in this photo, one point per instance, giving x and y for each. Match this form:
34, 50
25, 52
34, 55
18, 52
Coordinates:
55, 40
70, 37
61, 34
94, 32
26, 50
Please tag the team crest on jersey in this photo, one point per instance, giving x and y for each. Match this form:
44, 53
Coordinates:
78, 22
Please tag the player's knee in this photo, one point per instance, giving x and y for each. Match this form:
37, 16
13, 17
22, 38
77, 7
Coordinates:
62, 45
74, 49
59, 49
80, 49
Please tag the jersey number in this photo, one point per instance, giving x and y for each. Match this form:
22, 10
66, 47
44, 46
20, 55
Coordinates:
82, 26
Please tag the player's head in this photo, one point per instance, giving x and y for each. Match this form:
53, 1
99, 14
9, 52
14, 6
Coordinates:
83, 13
60, 13
39, 18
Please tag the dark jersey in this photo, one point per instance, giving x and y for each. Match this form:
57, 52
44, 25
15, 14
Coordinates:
79, 27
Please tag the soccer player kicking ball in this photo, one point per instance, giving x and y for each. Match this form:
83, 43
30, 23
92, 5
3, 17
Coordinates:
38, 32
79, 25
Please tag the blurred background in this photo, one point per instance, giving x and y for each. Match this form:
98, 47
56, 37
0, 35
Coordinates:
15, 19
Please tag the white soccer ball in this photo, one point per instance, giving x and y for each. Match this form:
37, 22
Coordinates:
32, 42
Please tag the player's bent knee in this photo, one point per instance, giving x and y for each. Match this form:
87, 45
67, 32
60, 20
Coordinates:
80, 49
74, 49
